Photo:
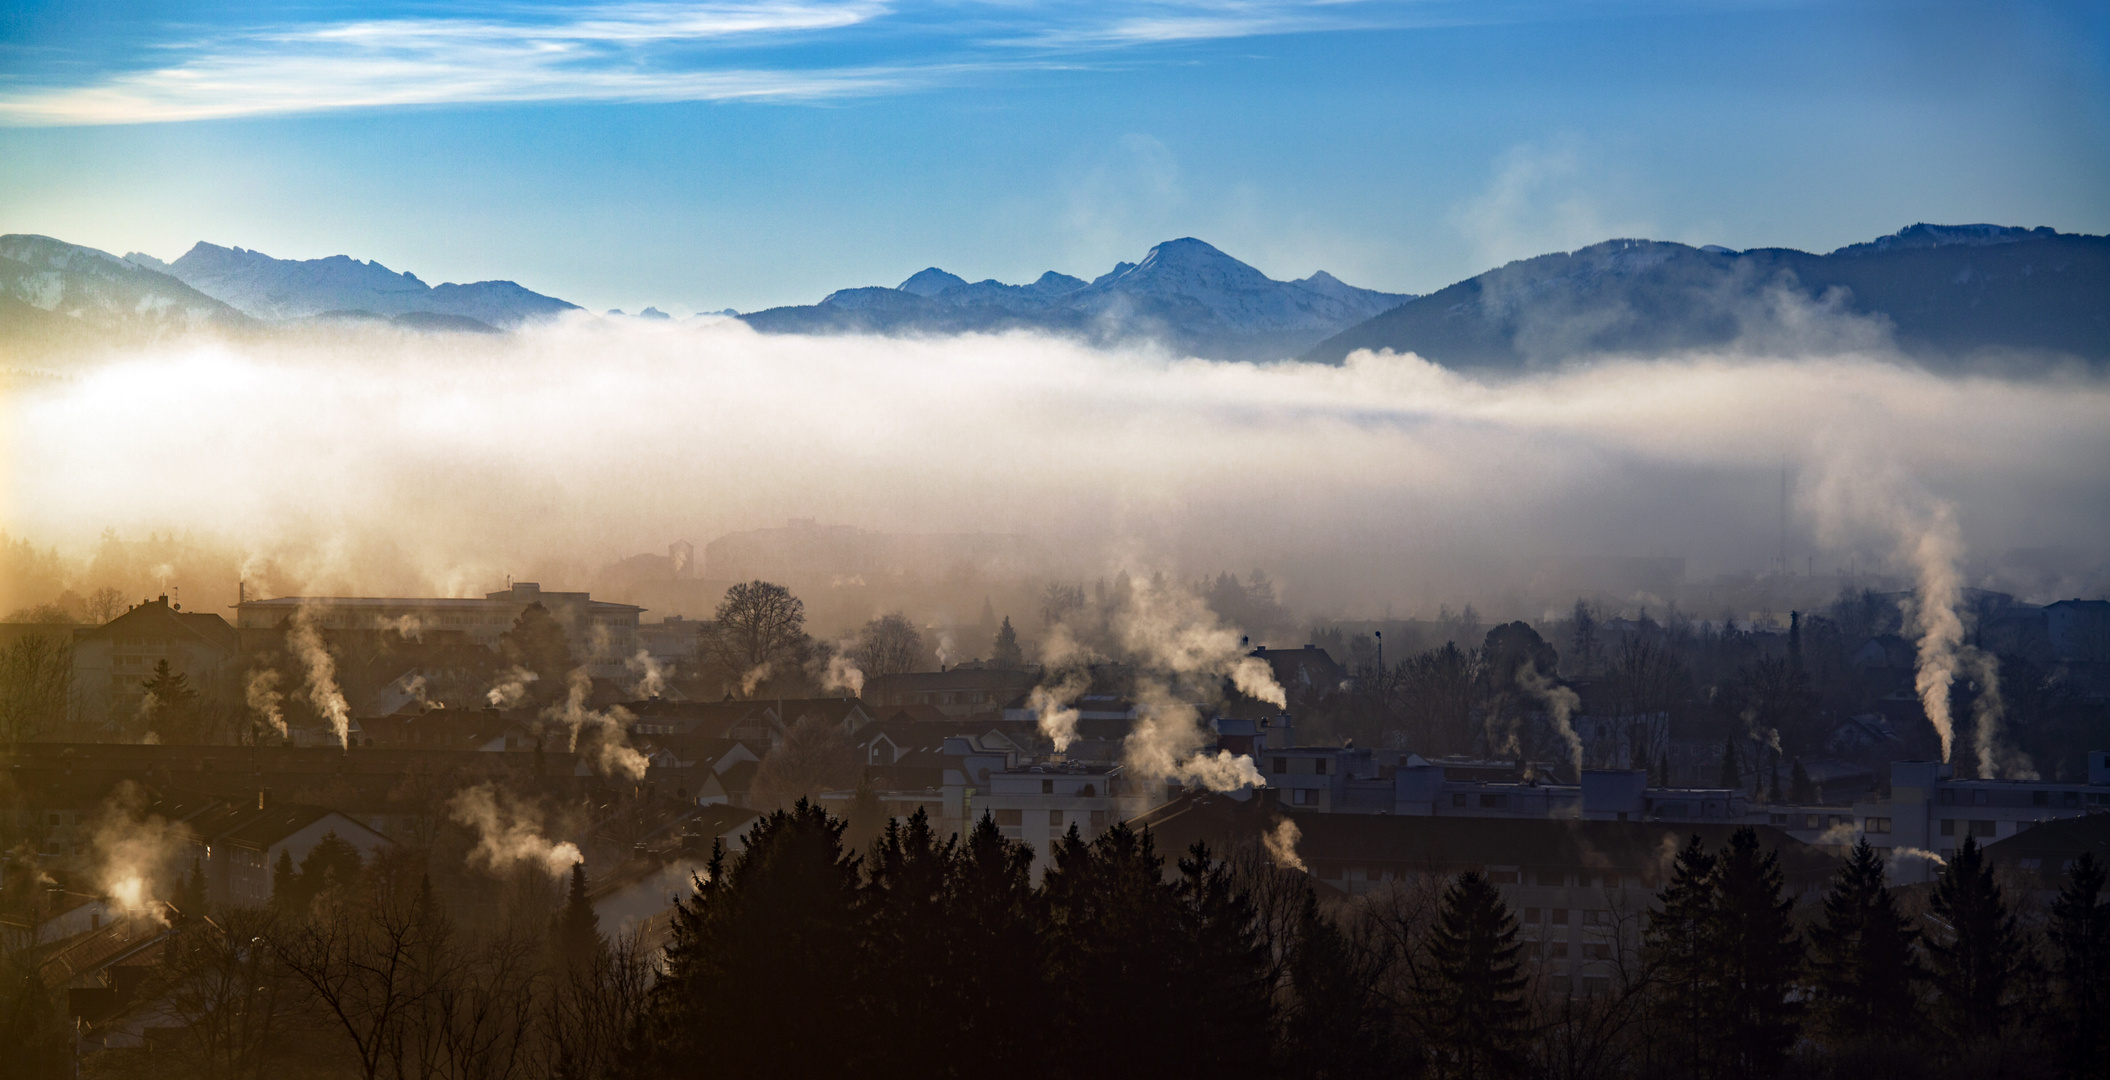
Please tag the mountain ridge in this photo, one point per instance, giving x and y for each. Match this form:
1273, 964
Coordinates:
1184, 292
1942, 294
279, 290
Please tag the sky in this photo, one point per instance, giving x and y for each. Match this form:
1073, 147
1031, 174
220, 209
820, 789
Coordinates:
749, 154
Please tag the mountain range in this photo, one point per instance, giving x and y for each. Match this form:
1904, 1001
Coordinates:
1946, 295
1943, 294
1188, 295
278, 290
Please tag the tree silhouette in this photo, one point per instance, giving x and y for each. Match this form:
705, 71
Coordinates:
578, 930
1865, 957
1475, 1002
759, 624
1680, 943
1004, 652
1758, 959
889, 645
1975, 952
2079, 934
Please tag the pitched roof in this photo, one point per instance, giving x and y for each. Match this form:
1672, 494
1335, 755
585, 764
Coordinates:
158, 617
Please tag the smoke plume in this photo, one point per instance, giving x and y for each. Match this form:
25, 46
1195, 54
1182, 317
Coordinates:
134, 854
651, 675
321, 685
260, 690
1561, 704
1281, 845
511, 689
754, 677
612, 753
843, 673
508, 833
1052, 707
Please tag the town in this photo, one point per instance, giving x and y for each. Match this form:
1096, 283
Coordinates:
169, 767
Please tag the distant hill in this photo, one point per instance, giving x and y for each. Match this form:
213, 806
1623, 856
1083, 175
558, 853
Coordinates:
286, 289
1186, 293
54, 294
1947, 294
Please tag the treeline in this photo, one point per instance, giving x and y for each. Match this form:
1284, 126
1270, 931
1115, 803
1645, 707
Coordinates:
798, 957
932, 957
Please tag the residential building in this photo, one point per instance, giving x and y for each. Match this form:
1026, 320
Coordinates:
601, 635
112, 662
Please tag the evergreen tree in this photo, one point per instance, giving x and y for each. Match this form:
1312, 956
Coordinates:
2079, 935
332, 863
1866, 957
762, 973
866, 818
1758, 961
1681, 950
171, 705
1773, 794
1336, 1024
1663, 769
1800, 789
1732, 771
1475, 1003
997, 938
1004, 652
285, 883
912, 996
578, 930
1131, 960
1221, 958
1975, 951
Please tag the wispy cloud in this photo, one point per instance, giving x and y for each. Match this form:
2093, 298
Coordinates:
628, 52
645, 52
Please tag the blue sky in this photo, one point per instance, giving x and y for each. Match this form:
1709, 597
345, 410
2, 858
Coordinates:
699, 156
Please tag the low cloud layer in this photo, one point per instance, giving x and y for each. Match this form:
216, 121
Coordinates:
388, 461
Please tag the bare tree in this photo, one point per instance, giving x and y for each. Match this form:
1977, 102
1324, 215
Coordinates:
815, 756
758, 624
370, 957
230, 1010
889, 645
36, 684
105, 604
590, 1011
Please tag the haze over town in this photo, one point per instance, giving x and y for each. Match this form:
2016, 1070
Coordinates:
1273, 540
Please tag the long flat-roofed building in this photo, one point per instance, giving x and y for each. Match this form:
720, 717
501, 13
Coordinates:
601, 634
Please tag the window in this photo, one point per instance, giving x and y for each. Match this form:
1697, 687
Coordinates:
1503, 877
1978, 798
1948, 827
1879, 824
1983, 828
1009, 817
1596, 986
1047, 787
1458, 799
1098, 822
1610, 881
1281, 765
2073, 798
1055, 818
1597, 918
1531, 914
1560, 916
1494, 802
1552, 878
1948, 797
1596, 951
1303, 797
2040, 798
1318, 765
1557, 950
